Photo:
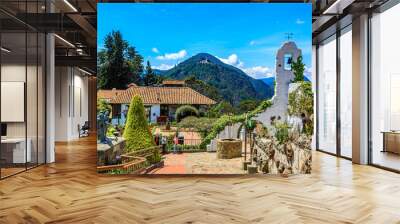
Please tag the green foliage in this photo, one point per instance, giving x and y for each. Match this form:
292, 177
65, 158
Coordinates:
184, 111
118, 64
103, 106
110, 131
118, 171
247, 105
308, 128
150, 79
282, 132
185, 148
203, 88
225, 120
298, 68
301, 103
221, 108
156, 157
250, 124
301, 100
202, 124
137, 134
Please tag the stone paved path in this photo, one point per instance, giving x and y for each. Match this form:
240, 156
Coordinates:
199, 163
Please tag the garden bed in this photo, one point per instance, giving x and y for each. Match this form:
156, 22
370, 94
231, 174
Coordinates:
185, 148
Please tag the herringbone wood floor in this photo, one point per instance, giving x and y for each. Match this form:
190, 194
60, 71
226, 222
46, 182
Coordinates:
70, 191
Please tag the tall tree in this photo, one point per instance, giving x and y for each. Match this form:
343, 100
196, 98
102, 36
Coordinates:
119, 63
150, 78
298, 68
135, 61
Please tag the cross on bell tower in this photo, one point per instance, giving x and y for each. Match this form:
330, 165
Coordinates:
289, 36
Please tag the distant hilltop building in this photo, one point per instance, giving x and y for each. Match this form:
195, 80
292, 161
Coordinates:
204, 61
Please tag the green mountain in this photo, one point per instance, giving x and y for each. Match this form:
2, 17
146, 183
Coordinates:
231, 83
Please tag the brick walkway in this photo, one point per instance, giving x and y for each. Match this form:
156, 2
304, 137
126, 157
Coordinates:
173, 164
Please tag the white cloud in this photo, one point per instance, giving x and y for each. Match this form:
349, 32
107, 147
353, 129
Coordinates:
307, 69
308, 73
162, 67
299, 21
258, 72
173, 56
233, 59
155, 50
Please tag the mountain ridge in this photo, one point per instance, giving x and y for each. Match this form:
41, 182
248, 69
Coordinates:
231, 82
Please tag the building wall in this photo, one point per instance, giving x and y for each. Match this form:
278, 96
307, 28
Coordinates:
154, 113
71, 102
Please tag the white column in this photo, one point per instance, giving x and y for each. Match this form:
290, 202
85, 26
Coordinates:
360, 90
314, 88
50, 101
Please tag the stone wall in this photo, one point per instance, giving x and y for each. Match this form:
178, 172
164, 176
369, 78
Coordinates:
108, 154
293, 157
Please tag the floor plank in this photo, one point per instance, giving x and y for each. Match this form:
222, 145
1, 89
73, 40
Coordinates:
70, 191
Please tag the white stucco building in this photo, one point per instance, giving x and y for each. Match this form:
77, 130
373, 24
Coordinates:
160, 102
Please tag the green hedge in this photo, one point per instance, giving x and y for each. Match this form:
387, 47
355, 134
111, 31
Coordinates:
185, 148
226, 120
185, 111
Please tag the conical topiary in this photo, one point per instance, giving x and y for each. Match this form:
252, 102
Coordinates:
137, 133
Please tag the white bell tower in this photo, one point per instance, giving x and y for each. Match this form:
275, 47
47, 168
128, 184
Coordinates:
284, 75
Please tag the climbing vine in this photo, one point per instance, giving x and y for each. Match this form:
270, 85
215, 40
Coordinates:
301, 103
226, 120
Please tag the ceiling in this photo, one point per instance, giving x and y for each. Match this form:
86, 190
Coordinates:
328, 13
73, 21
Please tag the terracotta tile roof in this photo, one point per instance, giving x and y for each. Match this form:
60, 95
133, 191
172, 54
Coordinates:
173, 82
163, 95
108, 94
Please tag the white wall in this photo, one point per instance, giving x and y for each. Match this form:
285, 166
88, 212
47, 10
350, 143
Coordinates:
71, 102
154, 113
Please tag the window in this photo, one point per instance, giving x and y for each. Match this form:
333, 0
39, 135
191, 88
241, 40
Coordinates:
385, 89
288, 61
346, 92
327, 95
23, 76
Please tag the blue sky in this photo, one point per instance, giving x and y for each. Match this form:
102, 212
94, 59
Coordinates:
246, 35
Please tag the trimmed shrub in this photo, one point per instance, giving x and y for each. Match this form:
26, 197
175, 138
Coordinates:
137, 133
201, 124
184, 111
